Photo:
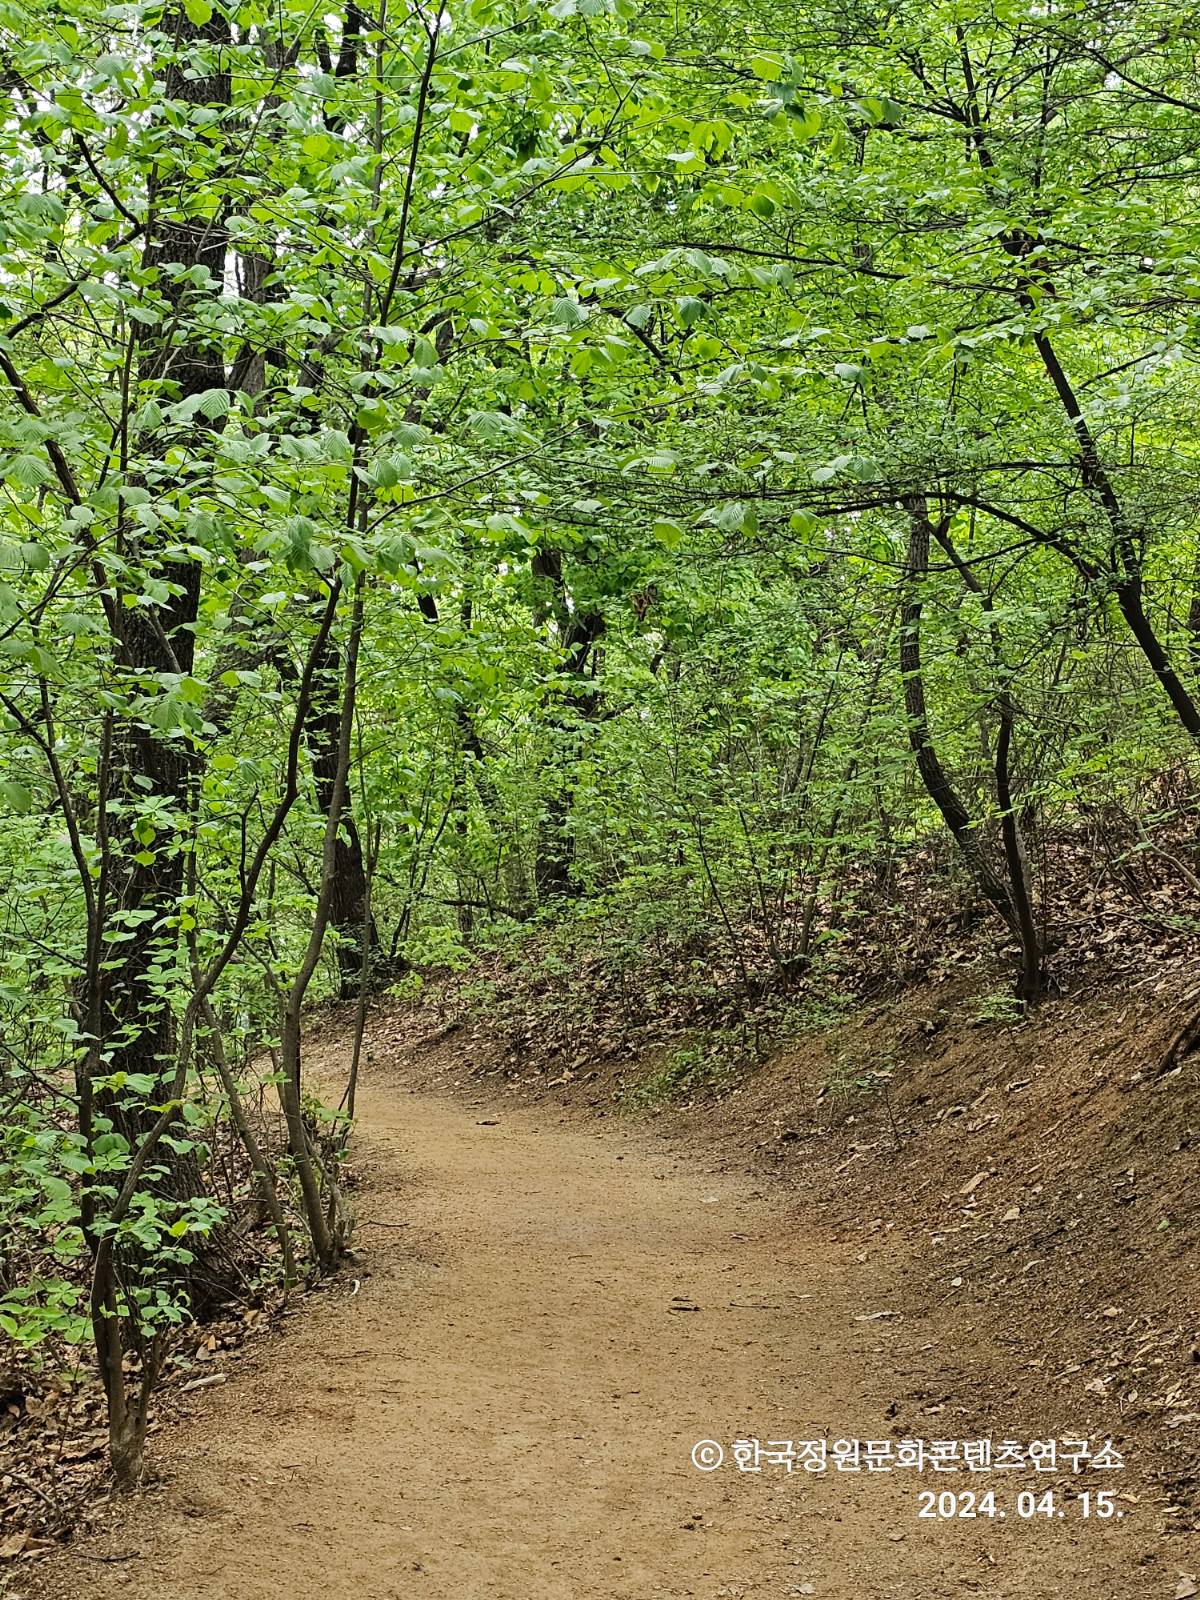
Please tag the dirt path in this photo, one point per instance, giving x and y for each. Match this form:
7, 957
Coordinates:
506, 1408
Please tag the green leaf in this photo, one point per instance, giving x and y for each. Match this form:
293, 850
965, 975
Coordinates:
28, 472
15, 796
767, 67
567, 313
215, 403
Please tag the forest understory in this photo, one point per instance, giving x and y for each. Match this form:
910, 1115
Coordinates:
1010, 1198
633, 567
1040, 1174
959, 1263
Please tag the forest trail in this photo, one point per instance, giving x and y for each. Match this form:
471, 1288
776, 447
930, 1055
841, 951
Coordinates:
550, 1317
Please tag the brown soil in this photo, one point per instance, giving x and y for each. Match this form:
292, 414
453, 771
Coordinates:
548, 1316
1035, 1185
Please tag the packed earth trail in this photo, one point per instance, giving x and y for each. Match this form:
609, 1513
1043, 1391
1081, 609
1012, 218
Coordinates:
550, 1316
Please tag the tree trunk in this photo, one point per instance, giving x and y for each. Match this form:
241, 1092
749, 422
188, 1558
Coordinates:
937, 785
579, 634
160, 640
1032, 976
350, 916
1126, 564
154, 644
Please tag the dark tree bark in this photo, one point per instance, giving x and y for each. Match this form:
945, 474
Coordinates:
1125, 560
1128, 587
1032, 977
1193, 620
350, 916
579, 699
155, 640
933, 775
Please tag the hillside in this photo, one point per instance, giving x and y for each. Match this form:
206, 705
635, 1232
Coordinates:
1037, 1178
632, 569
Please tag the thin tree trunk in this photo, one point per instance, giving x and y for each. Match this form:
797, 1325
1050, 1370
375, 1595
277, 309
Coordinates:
1126, 567
579, 634
937, 785
326, 1243
261, 1165
349, 910
364, 980
1032, 976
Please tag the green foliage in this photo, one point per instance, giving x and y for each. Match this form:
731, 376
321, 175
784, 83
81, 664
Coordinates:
534, 413
700, 1068
998, 1007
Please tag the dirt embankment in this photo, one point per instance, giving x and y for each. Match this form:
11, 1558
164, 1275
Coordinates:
1035, 1182
912, 1225
545, 1318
